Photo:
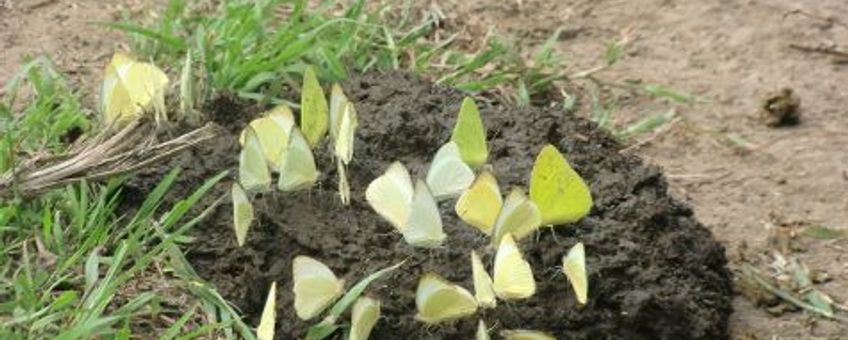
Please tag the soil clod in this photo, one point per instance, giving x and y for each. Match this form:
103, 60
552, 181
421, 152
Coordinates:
781, 108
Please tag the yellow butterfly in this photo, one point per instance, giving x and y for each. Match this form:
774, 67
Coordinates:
574, 267
411, 210
297, 165
130, 88
242, 213
481, 203
482, 331
513, 275
313, 109
253, 168
344, 148
337, 102
438, 300
315, 287
470, 135
519, 216
448, 175
484, 290
390, 195
273, 132
558, 191
423, 227
265, 331
363, 317
524, 334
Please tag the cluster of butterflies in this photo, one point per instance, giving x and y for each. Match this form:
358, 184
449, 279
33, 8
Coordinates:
557, 196
315, 288
273, 141
439, 300
557, 193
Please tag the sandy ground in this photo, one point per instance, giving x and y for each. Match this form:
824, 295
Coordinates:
729, 53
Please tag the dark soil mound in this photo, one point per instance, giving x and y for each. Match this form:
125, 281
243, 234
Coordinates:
654, 271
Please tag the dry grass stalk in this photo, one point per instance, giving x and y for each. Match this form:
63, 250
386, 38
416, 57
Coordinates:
133, 147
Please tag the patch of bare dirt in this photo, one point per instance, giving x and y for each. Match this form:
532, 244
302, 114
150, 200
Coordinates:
64, 31
732, 54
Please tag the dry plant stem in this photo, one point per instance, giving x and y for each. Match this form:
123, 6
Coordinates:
750, 272
830, 20
822, 50
131, 148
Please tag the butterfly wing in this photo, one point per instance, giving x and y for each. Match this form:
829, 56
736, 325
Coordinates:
253, 168
424, 225
364, 315
482, 331
344, 185
297, 168
315, 287
265, 331
337, 102
513, 275
525, 334
146, 85
481, 203
574, 267
559, 192
483, 287
115, 102
242, 213
438, 300
390, 195
470, 135
347, 131
448, 175
273, 132
313, 109
519, 217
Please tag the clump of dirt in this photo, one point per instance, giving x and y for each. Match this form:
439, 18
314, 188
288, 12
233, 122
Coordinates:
781, 108
654, 271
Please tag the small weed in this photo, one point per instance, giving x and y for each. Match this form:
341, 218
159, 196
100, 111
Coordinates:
39, 126
258, 49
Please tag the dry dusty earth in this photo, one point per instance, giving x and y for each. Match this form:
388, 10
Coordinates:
729, 53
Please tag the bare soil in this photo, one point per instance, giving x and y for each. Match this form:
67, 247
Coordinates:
731, 53
64, 32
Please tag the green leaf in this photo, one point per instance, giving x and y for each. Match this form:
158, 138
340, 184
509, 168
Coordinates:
187, 88
823, 233
614, 52
172, 42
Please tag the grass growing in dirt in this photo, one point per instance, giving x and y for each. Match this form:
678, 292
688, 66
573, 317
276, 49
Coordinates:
68, 257
259, 51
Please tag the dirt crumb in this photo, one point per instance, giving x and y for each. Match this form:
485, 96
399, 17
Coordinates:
781, 108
